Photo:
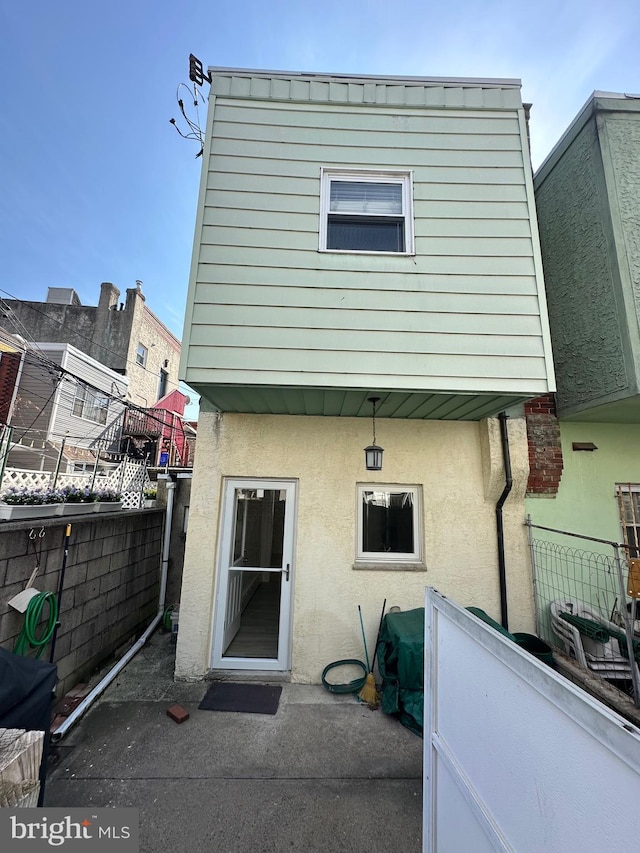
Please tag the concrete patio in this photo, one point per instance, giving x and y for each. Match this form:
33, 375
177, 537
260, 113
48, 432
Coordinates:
323, 774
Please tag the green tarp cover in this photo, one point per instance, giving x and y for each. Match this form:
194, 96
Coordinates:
401, 665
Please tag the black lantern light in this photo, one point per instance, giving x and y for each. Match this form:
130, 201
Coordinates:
373, 453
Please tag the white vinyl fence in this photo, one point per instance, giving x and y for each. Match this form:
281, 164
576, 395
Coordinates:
517, 758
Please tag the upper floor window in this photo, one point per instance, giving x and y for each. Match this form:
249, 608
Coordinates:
90, 404
141, 355
366, 211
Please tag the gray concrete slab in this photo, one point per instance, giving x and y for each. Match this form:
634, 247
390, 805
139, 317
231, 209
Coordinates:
323, 774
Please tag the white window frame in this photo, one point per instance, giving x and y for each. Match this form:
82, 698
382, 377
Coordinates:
141, 355
403, 177
88, 401
415, 558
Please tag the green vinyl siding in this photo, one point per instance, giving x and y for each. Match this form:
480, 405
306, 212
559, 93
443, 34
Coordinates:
465, 314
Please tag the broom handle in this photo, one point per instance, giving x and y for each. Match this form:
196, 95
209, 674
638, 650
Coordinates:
375, 651
364, 639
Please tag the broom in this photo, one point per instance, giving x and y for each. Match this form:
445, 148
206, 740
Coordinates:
368, 693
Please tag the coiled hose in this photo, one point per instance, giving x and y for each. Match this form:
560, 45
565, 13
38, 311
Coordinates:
350, 687
28, 637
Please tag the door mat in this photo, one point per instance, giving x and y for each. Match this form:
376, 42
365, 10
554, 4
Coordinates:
241, 698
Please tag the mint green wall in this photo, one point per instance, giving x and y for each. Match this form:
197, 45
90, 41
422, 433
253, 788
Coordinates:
586, 502
464, 315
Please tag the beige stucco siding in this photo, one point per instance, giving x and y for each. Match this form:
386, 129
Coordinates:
458, 466
267, 308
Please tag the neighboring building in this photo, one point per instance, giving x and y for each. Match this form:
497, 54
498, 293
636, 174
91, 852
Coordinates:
63, 406
126, 337
356, 237
588, 200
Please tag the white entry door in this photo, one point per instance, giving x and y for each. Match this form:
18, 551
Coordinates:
252, 619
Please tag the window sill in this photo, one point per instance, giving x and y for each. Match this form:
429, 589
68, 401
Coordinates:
367, 252
389, 567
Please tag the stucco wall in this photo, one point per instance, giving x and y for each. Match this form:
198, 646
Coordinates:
580, 275
459, 466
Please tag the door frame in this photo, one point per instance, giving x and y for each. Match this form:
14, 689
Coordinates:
223, 565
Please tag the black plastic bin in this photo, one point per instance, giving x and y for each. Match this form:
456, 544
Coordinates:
26, 686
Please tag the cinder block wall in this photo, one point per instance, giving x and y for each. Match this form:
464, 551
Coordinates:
111, 583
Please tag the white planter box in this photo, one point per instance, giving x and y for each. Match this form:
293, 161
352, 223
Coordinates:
148, 503
107, 506
77, 508
16, 512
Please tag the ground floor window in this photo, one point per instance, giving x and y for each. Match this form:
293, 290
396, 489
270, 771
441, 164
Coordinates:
389, 528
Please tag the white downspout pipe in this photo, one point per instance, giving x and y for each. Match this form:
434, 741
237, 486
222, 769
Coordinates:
102, 685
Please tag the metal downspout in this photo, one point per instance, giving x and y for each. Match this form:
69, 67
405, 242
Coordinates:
502, 573
102, 685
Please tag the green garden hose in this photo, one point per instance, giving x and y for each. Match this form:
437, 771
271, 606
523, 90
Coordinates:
28, 638
352, 686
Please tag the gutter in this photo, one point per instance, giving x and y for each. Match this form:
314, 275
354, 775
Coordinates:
102, 685
502, 572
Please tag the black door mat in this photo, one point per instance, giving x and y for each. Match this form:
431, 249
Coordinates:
241, 698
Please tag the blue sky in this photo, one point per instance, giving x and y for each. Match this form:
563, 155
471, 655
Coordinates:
97, 185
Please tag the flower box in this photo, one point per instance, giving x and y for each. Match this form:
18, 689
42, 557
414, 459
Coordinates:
77, 508
148, 503
107, 506
16, 512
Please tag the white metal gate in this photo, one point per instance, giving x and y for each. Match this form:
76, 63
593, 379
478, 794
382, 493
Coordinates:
516, 757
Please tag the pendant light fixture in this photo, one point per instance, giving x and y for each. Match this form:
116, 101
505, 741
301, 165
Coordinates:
373, 453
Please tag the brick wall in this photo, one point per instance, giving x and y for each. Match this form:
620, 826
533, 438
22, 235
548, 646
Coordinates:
545, 449
111, 583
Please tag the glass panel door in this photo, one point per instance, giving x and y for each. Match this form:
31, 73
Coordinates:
252, 620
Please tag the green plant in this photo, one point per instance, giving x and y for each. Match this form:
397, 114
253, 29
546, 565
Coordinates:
151, 493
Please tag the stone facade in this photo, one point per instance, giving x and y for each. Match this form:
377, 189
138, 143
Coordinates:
111, 583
